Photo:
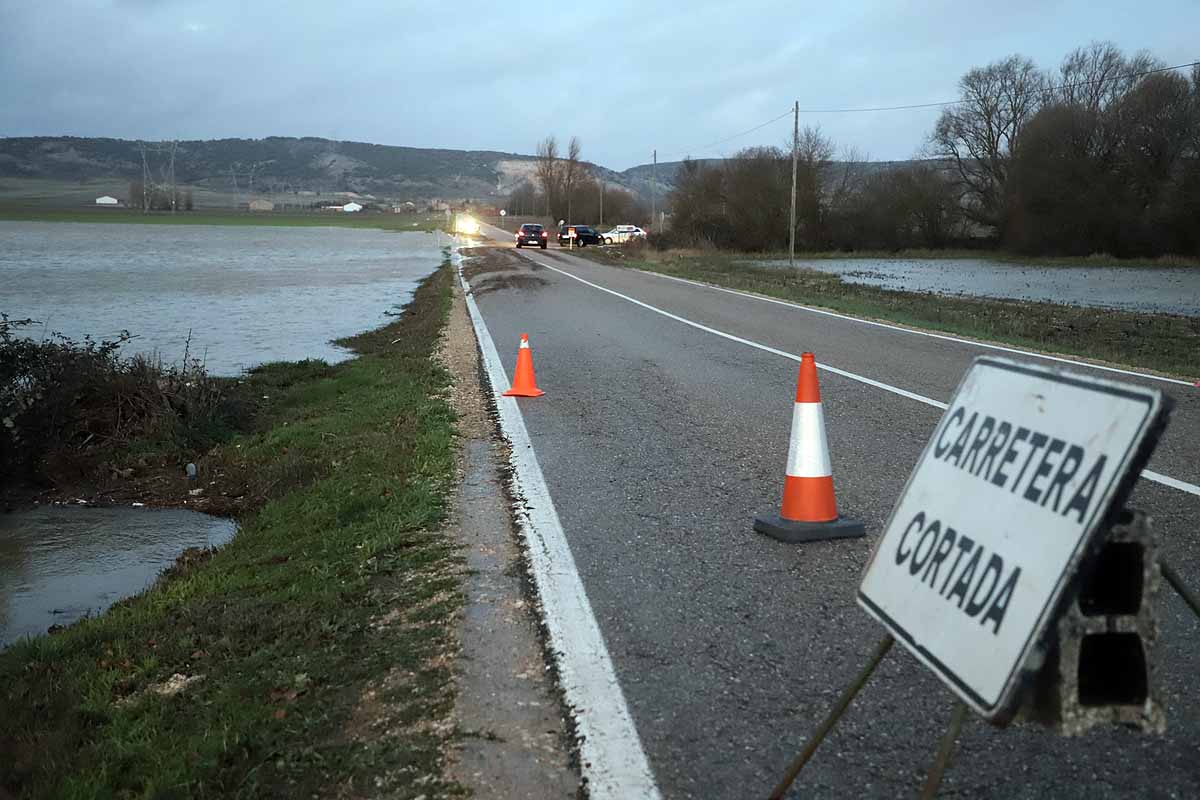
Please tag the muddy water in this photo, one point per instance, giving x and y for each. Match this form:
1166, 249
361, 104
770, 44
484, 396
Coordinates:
1140, 289
247, 294
61, 563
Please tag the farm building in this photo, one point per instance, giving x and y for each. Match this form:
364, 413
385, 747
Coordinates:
262, 205
408, 207
107, 201
351, 207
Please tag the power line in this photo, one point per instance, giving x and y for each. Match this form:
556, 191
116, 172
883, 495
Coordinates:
711, 145
914, 106
745, 132
1047, 90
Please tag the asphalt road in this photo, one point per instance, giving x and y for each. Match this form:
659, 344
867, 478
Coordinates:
660, 443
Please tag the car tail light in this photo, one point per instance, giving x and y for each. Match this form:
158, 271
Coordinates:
545, 235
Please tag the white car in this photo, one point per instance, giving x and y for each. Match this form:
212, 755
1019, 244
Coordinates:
623, 233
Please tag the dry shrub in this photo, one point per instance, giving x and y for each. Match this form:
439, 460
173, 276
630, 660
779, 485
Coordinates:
60, 397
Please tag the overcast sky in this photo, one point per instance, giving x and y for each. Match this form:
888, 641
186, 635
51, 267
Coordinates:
626, 78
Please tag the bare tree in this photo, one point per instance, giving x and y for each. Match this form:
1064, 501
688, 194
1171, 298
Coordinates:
523, 199
1095, 76
756, 186
979, 134
699, 205
572, 172
814, 154
548, 170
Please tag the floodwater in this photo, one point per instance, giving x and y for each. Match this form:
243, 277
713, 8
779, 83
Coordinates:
1140, 289
59, 564
247, 294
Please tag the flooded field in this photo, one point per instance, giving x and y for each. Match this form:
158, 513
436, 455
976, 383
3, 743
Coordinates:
247, 294
61, 563
1140, 289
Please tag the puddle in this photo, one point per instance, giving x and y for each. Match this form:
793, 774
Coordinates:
59, 564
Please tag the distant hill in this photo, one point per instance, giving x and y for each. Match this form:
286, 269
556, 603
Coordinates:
222, 169
276, 165
271, 165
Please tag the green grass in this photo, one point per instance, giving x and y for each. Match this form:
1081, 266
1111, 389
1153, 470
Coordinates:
282, 623
1149, 341
363, 219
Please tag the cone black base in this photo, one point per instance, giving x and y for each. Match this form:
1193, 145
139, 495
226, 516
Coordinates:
792, 532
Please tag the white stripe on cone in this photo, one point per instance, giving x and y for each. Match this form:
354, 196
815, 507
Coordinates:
808, 452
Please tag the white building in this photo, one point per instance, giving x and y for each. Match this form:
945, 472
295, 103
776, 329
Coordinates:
107, 201
351, 207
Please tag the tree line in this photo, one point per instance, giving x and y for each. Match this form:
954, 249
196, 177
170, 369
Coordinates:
564, 187
1102, 155
159, 198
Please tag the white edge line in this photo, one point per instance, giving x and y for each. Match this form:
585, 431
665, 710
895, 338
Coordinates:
1150, 475
612, 760
930, 334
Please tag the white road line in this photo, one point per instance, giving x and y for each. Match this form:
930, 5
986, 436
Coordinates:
1149, 475
613, 763
960, 340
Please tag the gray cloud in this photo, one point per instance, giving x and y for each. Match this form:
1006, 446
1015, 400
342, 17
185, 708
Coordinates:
626, 78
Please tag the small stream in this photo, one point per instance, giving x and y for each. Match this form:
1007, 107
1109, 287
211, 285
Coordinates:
59, 564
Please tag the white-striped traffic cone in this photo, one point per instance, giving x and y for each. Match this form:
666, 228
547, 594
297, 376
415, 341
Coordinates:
809, 510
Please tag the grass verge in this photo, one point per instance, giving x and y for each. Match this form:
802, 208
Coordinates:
1161, 342
361, 219
310, 656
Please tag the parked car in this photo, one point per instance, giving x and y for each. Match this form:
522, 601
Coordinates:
584, 236
533, 235
623, 233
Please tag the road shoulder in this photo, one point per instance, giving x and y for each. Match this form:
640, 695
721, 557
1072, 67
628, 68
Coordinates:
513, 738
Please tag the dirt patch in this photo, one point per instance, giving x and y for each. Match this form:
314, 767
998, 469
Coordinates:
482, 260
517, 281
491, 269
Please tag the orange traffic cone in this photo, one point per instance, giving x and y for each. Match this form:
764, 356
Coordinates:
524, 384
809, 511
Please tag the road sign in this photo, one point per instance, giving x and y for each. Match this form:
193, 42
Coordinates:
988, 536
503, 213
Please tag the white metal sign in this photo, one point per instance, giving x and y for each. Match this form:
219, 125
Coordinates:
997, 516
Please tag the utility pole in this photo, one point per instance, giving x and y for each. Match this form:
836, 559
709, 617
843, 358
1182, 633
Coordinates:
174, 188
653, 190
795, 154
145, 178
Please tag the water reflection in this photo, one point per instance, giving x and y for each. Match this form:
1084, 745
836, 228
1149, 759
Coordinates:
61, 563
1140, 289
248, 294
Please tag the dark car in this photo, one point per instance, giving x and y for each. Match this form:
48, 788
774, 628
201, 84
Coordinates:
583, 236
533, 235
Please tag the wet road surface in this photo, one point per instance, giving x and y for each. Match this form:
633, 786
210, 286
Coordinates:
660, 442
